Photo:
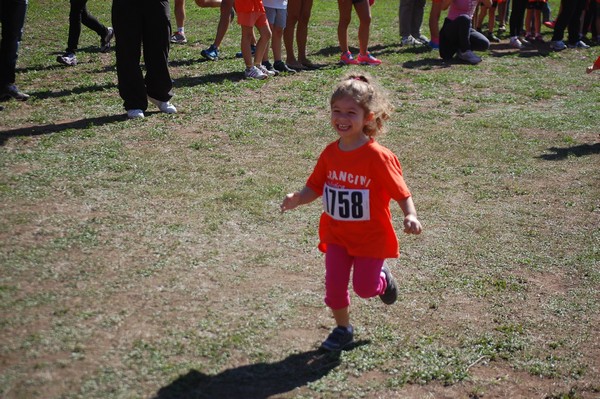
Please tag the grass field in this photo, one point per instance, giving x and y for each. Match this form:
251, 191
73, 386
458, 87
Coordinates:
148, 258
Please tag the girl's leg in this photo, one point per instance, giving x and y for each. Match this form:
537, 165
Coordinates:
491, 18
338, 265
477, 41
345, 10
262, 43
302, 31
480, 17
448, 40
224, 20
293, 13
528, 19
537, 22
277, 32
179, 9
247, 32
367, 280
363, 10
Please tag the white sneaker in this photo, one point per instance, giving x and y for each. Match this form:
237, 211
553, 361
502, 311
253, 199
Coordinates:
255, 73
579, 44
135, 113
558, 45
409, 41
469, 57
515, 42
264, 70
163, 106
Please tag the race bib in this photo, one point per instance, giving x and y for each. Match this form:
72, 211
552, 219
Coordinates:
346, 204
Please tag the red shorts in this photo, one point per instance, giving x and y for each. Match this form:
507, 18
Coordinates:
252, 19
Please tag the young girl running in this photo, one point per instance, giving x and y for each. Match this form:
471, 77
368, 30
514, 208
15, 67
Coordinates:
357, 177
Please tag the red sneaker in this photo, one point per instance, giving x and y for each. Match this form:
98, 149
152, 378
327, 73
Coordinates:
368, 59
348, 59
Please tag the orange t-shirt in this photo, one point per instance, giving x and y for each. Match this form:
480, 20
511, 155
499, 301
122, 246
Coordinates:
357, 187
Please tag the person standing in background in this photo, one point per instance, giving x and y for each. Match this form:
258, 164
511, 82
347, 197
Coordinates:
137, 24
78, 15
12, 16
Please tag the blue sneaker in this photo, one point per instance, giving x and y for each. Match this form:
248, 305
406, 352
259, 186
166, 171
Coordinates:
339, 338
434, 45
211, 53
252, 48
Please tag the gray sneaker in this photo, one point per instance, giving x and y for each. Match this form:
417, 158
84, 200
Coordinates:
105, 41
558, 45
469, 57
409, 41
68, 59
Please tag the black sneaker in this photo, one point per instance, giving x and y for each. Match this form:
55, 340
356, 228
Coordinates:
68, 59
10, 91
391, 292
339, 338
105, 41
282, 67
270, 68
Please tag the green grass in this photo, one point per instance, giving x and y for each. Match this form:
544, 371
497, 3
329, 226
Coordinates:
149, 258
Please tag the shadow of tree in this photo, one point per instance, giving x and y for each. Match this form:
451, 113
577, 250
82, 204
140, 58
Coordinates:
578, 151
255, 381
59, 127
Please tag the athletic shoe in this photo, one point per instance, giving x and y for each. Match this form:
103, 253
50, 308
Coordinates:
339, 338
347, 59
492, 38
135, 114
539, 38
282, 67
254, 73
422, 39
163, 106
557, 45
501, 29
391, 291
211, 53
179, 38
367, 59
579, 44
515, 42
252, 50
11, 91
434, 45
550, 24
469, 57
263, 68
408, 41
105, 41
68, 59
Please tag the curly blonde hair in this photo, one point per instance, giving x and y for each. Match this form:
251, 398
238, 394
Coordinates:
371, 98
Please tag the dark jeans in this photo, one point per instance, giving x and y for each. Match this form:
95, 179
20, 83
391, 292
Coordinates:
80, 15
12, 16
458, 35
517, 16
137, 24
569, 17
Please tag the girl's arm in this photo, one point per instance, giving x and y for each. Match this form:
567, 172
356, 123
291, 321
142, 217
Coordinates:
298, 198
411, 223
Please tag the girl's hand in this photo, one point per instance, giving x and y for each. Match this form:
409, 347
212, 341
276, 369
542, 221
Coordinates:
290, 202
412, 225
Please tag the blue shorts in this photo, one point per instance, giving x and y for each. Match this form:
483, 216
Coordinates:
276, 16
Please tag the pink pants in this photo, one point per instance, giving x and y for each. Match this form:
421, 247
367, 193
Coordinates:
367, 279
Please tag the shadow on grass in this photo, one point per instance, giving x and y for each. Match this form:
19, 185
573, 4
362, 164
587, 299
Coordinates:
59, 127
45, 94
427, 64
211, 78
578, 151
256, 381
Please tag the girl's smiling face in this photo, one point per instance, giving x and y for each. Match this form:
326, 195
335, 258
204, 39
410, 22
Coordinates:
348, 119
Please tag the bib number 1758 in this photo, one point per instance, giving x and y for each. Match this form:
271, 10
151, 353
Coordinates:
346, 204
